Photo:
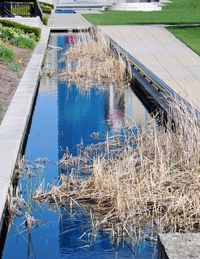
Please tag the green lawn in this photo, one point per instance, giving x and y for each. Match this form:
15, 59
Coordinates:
177, 12
190, 36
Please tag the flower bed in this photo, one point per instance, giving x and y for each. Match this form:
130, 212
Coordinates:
16, 44
18, 37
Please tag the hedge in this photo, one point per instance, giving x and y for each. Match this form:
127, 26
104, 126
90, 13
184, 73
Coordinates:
46, 9
25, 28
45, 20
45, 4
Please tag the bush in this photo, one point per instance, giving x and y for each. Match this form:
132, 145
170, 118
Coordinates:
20, 10
27, 29
6, 54
15, 67
46, 10
23, 42
48, 5
18, 38
45, 19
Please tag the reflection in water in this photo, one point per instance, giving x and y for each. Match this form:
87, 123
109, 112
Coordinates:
62, 118
134, 109
80, 114
114, 110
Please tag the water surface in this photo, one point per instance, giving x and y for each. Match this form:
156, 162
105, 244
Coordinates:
63, 117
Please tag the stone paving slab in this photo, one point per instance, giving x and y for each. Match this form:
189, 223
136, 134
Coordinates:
162, 53
14, 125
179, 246
68, 21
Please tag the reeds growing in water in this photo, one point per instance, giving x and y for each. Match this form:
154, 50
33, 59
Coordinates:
147, 180
144, 181
90, 61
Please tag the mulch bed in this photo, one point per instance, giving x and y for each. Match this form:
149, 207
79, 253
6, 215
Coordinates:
9, 80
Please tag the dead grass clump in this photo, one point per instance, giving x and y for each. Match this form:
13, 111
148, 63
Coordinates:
15, 202
90, 61
150, 181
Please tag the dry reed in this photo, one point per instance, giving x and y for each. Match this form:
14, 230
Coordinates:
90, 61
150, 181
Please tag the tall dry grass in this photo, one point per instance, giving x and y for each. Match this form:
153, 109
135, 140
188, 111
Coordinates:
149, 182
90, 61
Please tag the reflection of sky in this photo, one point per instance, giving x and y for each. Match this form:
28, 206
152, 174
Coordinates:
79, 116
61, 119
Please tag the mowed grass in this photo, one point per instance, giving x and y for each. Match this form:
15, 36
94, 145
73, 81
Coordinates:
177, 12
188, 35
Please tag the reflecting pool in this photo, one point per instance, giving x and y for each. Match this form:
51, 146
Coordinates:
63, 117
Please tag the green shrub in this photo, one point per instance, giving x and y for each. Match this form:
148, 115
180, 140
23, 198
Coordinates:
6, 54
10, 32
45, 4
20, 10
46, 9
27, 29
15, 67
23, 41
45, 19
17, 37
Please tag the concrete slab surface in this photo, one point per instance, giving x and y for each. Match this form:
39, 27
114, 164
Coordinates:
162, 53
179, 246
68, 21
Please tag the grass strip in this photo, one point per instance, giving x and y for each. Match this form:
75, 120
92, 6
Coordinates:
188, 35
177, 12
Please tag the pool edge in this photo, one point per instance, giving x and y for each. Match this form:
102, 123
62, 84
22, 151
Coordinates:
13, 128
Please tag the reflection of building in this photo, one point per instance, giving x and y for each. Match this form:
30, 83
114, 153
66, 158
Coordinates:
49, 71
123, 109
134, 109
114, 109
79, 115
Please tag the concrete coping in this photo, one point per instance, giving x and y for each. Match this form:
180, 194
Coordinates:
15, 123
178, 245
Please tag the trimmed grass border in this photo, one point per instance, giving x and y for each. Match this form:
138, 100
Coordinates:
190, 36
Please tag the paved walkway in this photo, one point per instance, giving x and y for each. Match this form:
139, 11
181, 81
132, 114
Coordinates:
68, 21
168, 58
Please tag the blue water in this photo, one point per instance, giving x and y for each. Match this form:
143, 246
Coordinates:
64, 11
80, 6
63, 117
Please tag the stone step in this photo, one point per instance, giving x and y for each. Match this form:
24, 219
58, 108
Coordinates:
136, 7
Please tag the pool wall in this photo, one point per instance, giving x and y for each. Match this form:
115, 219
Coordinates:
14, 127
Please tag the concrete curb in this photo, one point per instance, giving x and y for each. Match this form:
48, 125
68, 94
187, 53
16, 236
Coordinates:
178, 245
15, 123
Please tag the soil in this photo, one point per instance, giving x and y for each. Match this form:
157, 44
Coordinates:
9, 79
